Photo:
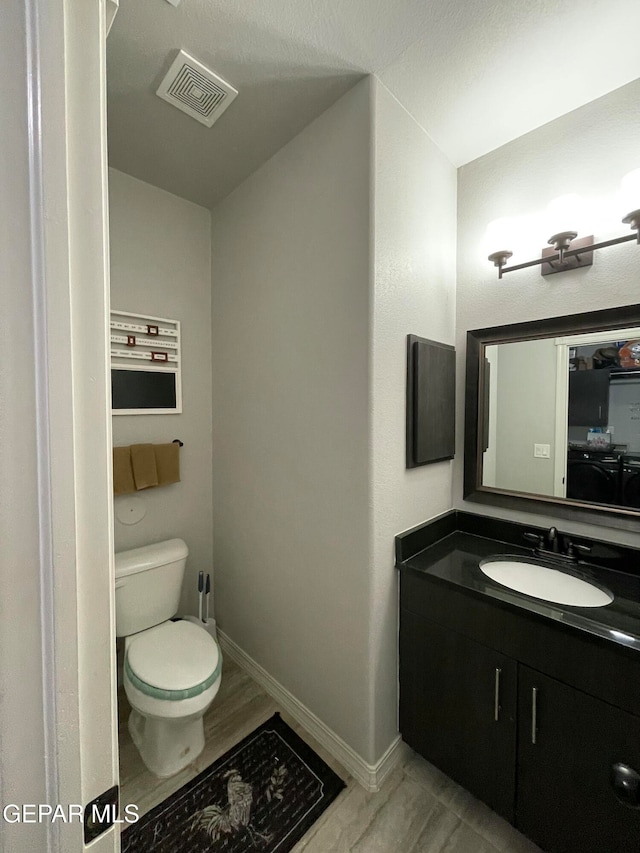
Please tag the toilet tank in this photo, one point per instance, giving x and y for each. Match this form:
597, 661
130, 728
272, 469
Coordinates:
148, 585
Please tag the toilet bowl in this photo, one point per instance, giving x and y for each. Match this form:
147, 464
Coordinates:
172, 667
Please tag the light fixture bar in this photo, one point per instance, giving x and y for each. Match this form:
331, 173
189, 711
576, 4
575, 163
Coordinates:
562, 243
569, 253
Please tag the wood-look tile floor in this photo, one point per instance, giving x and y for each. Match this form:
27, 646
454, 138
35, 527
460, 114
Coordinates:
417, 810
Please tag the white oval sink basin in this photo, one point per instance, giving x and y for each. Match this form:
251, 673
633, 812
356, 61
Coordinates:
545, 583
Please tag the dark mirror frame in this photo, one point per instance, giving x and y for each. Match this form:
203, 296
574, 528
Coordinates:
476, 415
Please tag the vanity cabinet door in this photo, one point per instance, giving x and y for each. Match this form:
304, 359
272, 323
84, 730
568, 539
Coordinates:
458, 707
578, 760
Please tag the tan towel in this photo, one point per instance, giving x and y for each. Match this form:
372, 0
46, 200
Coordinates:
122, 474
143, 462
167, 463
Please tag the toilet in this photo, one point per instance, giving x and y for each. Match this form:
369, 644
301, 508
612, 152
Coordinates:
172, 668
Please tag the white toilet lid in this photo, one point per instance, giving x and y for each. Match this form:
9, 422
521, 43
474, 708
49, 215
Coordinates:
173, 656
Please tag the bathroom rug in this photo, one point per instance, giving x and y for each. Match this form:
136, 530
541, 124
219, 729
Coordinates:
262, 795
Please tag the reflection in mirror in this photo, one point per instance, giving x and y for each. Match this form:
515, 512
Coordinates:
564, 417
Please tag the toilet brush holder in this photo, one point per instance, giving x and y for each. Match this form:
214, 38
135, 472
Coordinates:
209, 625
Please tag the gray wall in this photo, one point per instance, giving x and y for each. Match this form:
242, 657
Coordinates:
323, 262
291, 307
161, 265
525, 386
587, 152
413, 245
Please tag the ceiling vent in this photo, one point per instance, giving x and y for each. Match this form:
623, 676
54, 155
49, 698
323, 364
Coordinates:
194, 89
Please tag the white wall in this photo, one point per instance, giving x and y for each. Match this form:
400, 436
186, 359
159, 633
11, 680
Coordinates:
414, 293
587, 152
624, 413
161, 265
291, 307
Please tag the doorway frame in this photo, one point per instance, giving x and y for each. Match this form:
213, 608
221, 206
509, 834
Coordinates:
563, 345
68, 623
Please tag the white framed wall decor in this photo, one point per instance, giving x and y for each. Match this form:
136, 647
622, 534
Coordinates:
146, 365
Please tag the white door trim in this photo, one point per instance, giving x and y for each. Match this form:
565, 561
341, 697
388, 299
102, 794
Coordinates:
586, 338
66, 41
562, 393
562, 423
26, 717
40, 346
561, 432
57, 702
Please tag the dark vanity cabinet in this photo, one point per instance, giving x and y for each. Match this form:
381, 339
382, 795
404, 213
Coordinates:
458, 709
589, 398
576, 760
537, 747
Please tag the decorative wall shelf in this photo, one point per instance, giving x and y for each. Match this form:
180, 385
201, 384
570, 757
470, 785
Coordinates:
146, 376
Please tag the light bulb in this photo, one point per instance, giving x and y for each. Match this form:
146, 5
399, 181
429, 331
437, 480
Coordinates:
499, 234
630, 200
516, 233
630, 192
568, 212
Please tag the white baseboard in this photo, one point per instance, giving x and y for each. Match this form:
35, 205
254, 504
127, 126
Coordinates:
370, 776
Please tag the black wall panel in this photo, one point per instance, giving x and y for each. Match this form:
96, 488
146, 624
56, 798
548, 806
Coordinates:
431, 396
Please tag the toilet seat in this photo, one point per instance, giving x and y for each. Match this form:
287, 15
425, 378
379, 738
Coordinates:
173, 661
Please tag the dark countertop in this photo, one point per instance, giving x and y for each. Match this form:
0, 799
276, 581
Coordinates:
454, 559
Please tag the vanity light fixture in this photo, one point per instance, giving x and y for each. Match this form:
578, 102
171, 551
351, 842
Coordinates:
567, 252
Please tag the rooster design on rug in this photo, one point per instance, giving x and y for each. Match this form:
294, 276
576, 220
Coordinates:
240, 796
236, 817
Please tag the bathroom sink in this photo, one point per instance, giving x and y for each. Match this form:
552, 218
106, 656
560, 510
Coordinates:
545, 583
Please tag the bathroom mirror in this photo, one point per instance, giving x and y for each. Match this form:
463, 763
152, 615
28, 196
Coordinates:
552, 416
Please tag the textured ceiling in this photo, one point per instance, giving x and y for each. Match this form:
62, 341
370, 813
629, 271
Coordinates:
475, 74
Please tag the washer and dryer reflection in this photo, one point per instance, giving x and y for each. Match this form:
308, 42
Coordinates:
603, 476
630, 481
593, 475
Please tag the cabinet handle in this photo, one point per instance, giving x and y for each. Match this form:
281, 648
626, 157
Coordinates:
626, 785
496, 695
534, 714
600, 413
